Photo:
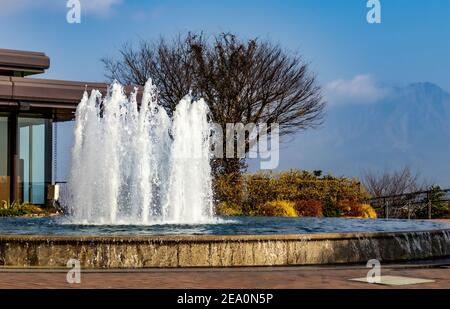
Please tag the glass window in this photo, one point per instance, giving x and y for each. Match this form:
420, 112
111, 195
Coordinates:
34, 142
4, 178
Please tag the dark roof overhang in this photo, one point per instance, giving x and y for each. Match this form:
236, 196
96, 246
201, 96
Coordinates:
58, 96
22, 63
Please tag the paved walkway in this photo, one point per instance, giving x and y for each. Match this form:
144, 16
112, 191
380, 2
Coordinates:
273, 277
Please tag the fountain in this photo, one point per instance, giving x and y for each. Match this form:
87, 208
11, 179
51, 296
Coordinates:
141, 197
133, 164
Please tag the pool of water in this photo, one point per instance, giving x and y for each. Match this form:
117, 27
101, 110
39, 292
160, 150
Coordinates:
225, 226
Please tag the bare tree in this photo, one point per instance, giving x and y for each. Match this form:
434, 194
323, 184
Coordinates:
391, 183
242, 81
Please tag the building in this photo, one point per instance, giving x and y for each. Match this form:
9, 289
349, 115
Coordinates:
28, 109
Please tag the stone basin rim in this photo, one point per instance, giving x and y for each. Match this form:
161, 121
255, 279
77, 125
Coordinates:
174, 251
210, 238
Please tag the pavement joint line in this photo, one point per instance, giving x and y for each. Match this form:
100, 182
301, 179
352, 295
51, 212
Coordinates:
417, 264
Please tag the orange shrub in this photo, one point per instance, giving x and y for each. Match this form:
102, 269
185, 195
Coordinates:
309, 208
350, 208
355, 209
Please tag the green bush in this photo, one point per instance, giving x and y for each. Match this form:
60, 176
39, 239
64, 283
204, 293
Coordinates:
439, 208
331, 209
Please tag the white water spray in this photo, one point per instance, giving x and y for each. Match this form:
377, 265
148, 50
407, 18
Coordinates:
136, 165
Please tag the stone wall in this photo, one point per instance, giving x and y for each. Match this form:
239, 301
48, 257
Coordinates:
218, 251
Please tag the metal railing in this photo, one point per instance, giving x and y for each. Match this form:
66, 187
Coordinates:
414, 205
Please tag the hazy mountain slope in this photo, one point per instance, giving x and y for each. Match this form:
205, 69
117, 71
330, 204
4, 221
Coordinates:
410, 126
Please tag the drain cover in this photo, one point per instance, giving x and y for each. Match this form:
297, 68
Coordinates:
396, 280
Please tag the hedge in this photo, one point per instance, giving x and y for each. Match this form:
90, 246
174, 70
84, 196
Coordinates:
310, 194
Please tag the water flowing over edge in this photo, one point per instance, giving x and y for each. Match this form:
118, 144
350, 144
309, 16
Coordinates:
133, 164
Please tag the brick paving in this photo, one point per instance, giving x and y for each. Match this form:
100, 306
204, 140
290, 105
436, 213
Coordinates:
282, 277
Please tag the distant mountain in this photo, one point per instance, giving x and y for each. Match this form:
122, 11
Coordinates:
409, 126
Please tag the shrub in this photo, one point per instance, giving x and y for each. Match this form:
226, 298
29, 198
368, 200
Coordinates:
439, 208
31, 209
350, 208
14, 209
309, 208
253, 191
258, 189
229, 209
331, 209
278, 209
228, 188
368, 211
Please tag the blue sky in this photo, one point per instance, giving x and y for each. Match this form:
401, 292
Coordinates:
350, 57
411, 44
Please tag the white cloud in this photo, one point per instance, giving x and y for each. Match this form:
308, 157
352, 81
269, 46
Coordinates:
95, 7
149, 14
100, 7
360, 89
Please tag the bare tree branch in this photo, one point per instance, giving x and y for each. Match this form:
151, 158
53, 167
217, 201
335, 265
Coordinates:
392, 183
242, 81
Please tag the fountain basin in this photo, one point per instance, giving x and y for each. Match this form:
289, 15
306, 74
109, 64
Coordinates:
221, 250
